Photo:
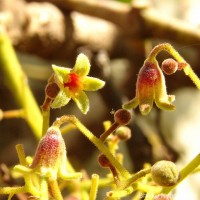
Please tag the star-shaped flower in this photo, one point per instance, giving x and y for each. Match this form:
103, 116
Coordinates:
73, 82
150, 87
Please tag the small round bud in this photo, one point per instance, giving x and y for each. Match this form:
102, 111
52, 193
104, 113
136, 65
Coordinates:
123, 133
162, 197
103, 161
165, 173
169, 66
122, 116
52, 90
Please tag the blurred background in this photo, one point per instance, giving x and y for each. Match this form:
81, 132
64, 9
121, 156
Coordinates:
116, 35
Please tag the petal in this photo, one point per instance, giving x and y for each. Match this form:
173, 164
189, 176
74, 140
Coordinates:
82, 65
61, 99
145, 94
162, 100
131, 104
165, 105
81, 101
61, 72
92, 84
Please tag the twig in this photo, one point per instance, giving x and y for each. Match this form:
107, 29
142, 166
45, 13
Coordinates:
15, 78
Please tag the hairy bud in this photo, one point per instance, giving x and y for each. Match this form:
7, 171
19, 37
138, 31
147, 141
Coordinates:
169, 66
123, 133
165, 173
122, 117
50, 151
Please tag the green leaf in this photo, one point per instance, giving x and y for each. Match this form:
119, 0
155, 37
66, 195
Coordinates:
81, 101
61, 100
92, 84
82, 65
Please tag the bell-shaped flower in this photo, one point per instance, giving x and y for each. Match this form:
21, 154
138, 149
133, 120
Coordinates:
73, 82
50, 152
50, 157
150, 87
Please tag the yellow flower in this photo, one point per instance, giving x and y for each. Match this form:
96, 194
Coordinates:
73, 82
150, 87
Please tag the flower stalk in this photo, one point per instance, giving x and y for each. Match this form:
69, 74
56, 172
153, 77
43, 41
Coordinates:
96, 141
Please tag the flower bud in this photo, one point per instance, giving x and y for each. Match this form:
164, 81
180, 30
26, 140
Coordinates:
165, 173
103, 161
123, 133
122, 116
52, 90
50, 152
169, 66
162, 197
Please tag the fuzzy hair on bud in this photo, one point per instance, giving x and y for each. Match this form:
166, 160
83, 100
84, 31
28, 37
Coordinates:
165, 173
169, 66
50, 152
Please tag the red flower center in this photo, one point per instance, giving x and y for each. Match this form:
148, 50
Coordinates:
149, 74
73, 82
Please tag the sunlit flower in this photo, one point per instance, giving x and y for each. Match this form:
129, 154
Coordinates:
150, 87
50, 153
50, 157
73, 82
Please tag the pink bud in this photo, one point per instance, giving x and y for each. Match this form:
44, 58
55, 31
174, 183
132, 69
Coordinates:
50, 151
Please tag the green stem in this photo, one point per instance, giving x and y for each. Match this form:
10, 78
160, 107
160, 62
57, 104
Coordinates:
45, 124
19, 113
26, 171
119, 193
53, 184
44, 194
96, 141
15, 78
12, 190
94, 186
170, 49
107, 132
103, 182
21, 154
188, 169
135, 177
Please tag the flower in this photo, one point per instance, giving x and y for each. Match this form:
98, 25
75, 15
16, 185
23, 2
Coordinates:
150, 87
50, 158
73, 82
50, 154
